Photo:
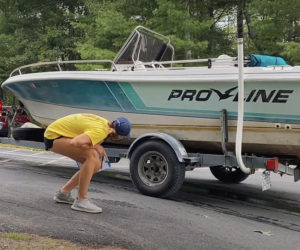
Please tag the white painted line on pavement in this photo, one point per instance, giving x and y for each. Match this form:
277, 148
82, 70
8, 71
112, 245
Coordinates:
4, 160
37, 153
28, 155
14, 150
59, 159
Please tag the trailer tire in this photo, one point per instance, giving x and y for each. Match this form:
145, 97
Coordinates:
155, 169
228, 174
29, 134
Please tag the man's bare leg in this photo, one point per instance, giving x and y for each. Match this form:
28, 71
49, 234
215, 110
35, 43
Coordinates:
74, 182
85, 175
71, 184
90, 160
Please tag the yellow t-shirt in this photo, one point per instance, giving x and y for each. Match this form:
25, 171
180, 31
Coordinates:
96, 127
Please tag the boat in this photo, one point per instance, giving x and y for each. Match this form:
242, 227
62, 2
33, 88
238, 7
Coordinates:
157, 93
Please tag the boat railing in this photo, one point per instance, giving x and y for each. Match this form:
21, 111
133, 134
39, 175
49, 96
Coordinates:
138, 65
59, 64
221, 61
230, 61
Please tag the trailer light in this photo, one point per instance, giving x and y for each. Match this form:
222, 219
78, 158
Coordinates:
272, 164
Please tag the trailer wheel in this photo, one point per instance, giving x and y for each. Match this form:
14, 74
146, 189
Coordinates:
228, 174
155, 169
30, 134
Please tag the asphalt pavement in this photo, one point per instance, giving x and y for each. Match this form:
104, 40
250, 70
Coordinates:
205, 214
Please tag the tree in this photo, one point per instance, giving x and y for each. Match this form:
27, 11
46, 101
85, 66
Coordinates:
34, 30
105, 29
31, 31
274, 27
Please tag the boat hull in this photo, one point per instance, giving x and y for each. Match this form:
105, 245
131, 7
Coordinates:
197, 134
185, 104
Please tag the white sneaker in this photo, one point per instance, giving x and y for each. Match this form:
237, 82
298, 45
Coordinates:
63, 198
86, 206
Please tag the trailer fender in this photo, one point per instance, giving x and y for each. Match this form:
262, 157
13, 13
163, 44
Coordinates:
170, 140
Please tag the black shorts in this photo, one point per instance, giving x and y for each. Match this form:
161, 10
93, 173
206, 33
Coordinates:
49, 143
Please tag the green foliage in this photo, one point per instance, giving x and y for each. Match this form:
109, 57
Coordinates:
105, 29
187, 32
275, 24
9, 99
291, 51
34, 30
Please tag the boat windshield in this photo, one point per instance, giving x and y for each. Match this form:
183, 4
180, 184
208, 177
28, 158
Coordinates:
144, 45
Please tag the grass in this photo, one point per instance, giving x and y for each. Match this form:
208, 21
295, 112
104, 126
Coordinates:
15, 236
24, 241
21, 147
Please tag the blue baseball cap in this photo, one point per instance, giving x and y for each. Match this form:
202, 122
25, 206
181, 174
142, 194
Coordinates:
122, 126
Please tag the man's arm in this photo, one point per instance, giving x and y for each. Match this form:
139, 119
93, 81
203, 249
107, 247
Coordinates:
84, 141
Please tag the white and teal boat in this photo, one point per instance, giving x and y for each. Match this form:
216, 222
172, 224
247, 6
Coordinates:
181, 98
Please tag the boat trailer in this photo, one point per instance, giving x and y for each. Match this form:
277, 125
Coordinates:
158, 161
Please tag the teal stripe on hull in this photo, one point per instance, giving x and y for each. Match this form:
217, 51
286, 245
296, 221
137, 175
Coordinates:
120, 97
132, 98
72, 93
